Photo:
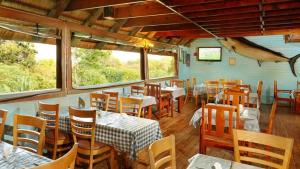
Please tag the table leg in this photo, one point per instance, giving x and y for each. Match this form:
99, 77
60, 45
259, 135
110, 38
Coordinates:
150, 112
180, 104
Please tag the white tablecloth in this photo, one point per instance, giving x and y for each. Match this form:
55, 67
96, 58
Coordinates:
249, 116
175, 91
147, 100
201, 161
199, 90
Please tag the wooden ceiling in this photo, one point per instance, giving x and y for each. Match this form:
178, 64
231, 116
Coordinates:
176, 22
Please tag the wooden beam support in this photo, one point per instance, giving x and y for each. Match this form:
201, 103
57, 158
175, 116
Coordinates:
91, 4
174, 3
93, 17
228, 17
236, 21
155, 20
59, 8
140, 10
189, 33
171, 27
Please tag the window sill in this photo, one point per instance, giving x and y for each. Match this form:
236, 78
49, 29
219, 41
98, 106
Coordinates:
30, 95
82, 89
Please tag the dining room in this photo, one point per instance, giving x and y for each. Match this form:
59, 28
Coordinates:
131, 84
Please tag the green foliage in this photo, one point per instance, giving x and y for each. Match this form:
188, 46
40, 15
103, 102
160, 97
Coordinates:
20, 71
162, 67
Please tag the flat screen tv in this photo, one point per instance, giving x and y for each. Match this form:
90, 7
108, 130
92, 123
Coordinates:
212, 54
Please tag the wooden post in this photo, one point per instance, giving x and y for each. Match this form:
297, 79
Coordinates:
144, 64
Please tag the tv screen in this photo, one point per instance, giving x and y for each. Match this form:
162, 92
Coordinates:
212, 54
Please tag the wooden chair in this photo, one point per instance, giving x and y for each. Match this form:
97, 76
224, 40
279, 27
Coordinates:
212, 89
272, 115
136, 90
255, 98
19, 134
190, 91
235, 98
65, 162
277, 93
3, 115
56, 140
90, 151
113, 104
131, 106
177, 82
239, 82
228, 84
163, 100
167, 146
298, 85
99, 101
218, 134
271, 151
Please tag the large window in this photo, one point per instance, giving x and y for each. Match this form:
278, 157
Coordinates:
26, 66
92, 67
161, 66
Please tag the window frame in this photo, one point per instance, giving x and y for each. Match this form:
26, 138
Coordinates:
43, 93
175, 55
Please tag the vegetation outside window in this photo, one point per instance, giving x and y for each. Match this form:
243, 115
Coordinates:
92, 67
26, 66
161, 66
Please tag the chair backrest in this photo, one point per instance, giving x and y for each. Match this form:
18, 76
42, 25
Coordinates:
113, 104
275, 89
177, 82
223, 114
131, 106
228, 84
244, 87
83, 124
165, 145
21, 133
212, 87
188, 86
259, 88
153, 90
234, 97
239, 82
194, 82
137, 90
298, 85
3, 115
270, 151
65, 162
99, 101
272, 117
49, 112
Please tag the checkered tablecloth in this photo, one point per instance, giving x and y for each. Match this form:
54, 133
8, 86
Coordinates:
19, 158
125, 133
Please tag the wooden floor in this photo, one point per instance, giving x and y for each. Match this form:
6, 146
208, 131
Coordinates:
287, 124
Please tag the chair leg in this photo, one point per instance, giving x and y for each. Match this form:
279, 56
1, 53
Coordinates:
91, 160
54, 151
112, 159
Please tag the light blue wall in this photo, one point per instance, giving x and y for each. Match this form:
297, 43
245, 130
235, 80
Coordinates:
246, 68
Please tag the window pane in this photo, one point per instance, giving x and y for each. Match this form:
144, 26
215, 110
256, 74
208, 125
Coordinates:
26, 66
99, 67
161, 66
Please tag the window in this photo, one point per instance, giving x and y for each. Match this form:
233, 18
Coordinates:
92, 67
26, 66
161, 66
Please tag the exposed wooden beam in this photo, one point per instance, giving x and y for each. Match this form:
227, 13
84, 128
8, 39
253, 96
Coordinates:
235, 21
222, 12
217, 5
171, 27
189, 33
280, 6
91, 4
59, 8
174, 3
228, 17
140, 10
155, 20
282, 12
93, 17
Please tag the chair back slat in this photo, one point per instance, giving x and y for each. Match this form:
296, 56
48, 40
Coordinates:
137, 90
218, 127
113, 104
3, 115
49, 112
263, 150
153, 90
272, 117
83, 123
36, 123
99, 101
177, 82
164, 146
65, 162
131, 106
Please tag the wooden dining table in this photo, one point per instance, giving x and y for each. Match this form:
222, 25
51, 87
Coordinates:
201, 161
17, 158
176, 92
